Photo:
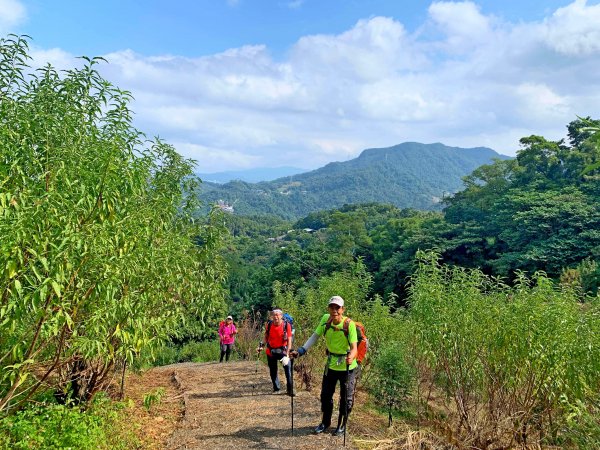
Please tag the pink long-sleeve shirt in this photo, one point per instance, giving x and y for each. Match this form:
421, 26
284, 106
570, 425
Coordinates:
227, 333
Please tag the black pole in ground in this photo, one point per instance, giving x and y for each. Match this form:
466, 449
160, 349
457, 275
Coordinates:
255, 371
291, 363
346, 400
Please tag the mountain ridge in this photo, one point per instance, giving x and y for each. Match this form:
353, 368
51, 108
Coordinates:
408, 175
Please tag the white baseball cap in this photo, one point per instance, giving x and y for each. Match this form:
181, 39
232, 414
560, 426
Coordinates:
336, 300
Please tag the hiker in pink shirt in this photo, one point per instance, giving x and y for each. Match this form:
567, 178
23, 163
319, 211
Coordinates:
227, 332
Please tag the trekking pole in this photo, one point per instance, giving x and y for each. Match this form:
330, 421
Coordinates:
292, 391
255, 370
346, 399
256, 362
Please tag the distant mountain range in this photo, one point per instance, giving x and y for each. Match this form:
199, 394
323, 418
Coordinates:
408, 175
250, 175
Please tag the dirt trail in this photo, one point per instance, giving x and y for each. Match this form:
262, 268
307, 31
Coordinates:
230, 406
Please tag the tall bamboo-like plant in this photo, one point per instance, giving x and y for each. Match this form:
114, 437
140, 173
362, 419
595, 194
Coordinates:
99, 249
515, 363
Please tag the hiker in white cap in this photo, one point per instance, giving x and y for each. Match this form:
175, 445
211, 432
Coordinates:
341, 341
277, 344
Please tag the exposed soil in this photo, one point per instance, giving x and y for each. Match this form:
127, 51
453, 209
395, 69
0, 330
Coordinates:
232, 406
153, 426
227, 406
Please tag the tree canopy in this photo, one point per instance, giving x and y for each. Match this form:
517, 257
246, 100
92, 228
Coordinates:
99, 256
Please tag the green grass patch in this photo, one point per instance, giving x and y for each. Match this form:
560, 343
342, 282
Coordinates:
204, 351
53, 426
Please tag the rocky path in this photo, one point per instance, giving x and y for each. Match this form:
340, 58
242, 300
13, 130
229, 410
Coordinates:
231, 406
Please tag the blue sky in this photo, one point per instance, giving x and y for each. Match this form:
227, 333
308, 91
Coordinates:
203, 27
238, 84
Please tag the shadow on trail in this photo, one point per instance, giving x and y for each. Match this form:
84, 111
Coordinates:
233, 393
259, 436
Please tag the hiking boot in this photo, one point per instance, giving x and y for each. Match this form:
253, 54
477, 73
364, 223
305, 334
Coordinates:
291, 393
321, 428
341, 426
276, 390
339, 431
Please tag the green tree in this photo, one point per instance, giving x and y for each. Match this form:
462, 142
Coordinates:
537, 212
99, 257
547, 230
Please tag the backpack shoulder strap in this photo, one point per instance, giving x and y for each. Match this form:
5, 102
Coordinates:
346, 326
285, 330
327, 325
268, 331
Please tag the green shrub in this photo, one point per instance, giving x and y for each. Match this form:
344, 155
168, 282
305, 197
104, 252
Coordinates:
506, 357
391, 378
583, 423
165, 355
153, 397
54, 426
204, 351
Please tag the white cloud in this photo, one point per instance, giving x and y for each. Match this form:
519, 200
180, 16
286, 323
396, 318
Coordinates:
462, 22
340, 148
372, 49
464, 78
55, 56
219, 159
12, 14
542, 101
574, 29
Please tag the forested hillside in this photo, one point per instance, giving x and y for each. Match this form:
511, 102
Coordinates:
537, 212
409, 175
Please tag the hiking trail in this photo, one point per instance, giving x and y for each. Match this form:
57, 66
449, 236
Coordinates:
230, 406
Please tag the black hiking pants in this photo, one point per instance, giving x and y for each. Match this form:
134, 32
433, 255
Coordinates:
330, 379
225, 351
272, 361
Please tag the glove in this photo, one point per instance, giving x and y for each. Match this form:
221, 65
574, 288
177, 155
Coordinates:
285, 360
301, 351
